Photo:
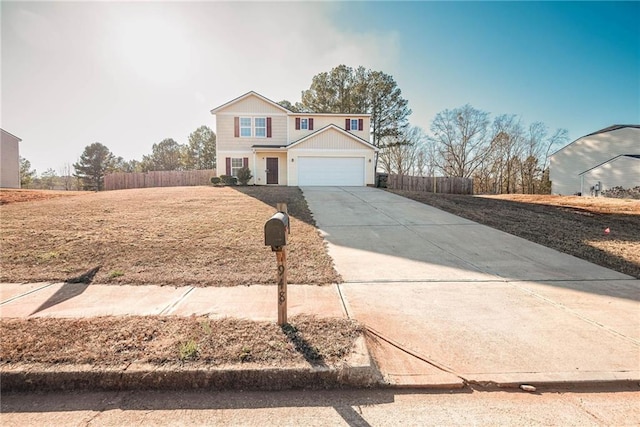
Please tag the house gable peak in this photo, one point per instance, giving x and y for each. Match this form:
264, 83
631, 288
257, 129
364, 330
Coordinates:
247, 95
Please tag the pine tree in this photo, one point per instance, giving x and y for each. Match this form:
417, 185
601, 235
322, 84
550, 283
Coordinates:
94, 162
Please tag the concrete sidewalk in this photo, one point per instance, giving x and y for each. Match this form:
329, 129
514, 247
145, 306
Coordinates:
259, 303
453, 301
77, 300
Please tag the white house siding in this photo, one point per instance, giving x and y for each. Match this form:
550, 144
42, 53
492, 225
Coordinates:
322, 120
225, 131
331, 144
622, 171
9, 160
568, 163
253, 105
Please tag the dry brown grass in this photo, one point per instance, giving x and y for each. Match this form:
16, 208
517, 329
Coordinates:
8, 195
570, 224
599, 205
200, 236
191, 341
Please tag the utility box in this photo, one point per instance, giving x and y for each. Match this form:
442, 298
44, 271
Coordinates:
276, 230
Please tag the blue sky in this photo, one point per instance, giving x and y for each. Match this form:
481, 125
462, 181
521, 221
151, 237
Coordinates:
129, 74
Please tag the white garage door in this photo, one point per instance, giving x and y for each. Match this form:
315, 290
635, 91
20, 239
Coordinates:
339, 171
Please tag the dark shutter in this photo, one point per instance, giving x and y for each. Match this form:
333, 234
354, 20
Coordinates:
228, 165
236, 127
268, 127
360, 124
347, 124
297, 123
245, 162
310, 124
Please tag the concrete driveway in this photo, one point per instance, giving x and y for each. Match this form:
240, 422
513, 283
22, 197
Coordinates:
460, 301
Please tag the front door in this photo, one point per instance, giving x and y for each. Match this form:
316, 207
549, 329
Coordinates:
272, 170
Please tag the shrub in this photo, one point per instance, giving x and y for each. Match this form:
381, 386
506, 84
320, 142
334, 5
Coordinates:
215, 180
244, 175
622, 193
229, 180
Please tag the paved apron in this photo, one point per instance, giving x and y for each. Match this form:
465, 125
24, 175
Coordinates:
481, 303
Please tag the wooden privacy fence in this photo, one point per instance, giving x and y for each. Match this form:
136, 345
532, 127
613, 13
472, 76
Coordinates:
124, 180
443, 184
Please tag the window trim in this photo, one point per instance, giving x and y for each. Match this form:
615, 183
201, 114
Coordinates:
256, 127
235, 169
241, 127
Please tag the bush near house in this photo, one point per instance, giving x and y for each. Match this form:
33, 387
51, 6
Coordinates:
244, 176
229, 180
622, 193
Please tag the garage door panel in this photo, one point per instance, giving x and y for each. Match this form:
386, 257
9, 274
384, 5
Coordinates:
329, 171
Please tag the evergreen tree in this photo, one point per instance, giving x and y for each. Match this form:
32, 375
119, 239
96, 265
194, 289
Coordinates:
26, 173
94, 162
345, 90
201, 151
167, 155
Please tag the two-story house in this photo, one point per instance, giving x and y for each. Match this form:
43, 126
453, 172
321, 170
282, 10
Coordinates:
282, 147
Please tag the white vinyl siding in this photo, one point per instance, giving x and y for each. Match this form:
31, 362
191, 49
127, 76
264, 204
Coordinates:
322, 120
621, 171
331, 171
569, 162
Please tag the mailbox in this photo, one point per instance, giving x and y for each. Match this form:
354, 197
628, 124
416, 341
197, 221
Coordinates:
276, 230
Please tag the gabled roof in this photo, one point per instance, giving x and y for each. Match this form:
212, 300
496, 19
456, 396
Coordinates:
605, 130
246, 95
612, 128
331, 114
10, 134
339, 129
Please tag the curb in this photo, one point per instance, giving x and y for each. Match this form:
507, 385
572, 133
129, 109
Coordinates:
357, 372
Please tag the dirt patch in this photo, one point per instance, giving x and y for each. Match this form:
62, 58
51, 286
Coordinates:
16, 196
190, 342
574, 225
196, 236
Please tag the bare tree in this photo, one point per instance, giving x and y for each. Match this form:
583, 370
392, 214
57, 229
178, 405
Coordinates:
506, 149
66, 176
537, 147
405, 153
460, 136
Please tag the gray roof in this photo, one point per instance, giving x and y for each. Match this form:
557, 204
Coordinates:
612, 128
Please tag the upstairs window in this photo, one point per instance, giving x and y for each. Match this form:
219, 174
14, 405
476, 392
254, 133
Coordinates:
353, 124
245, 127
304, 123
260, 127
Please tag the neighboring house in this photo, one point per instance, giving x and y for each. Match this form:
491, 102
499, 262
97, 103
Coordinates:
621, 171
597, 162
281, 147
9, 160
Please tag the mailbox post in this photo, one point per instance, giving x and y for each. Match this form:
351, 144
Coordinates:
276, 230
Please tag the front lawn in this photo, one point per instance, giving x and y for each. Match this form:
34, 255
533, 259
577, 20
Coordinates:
197, 236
